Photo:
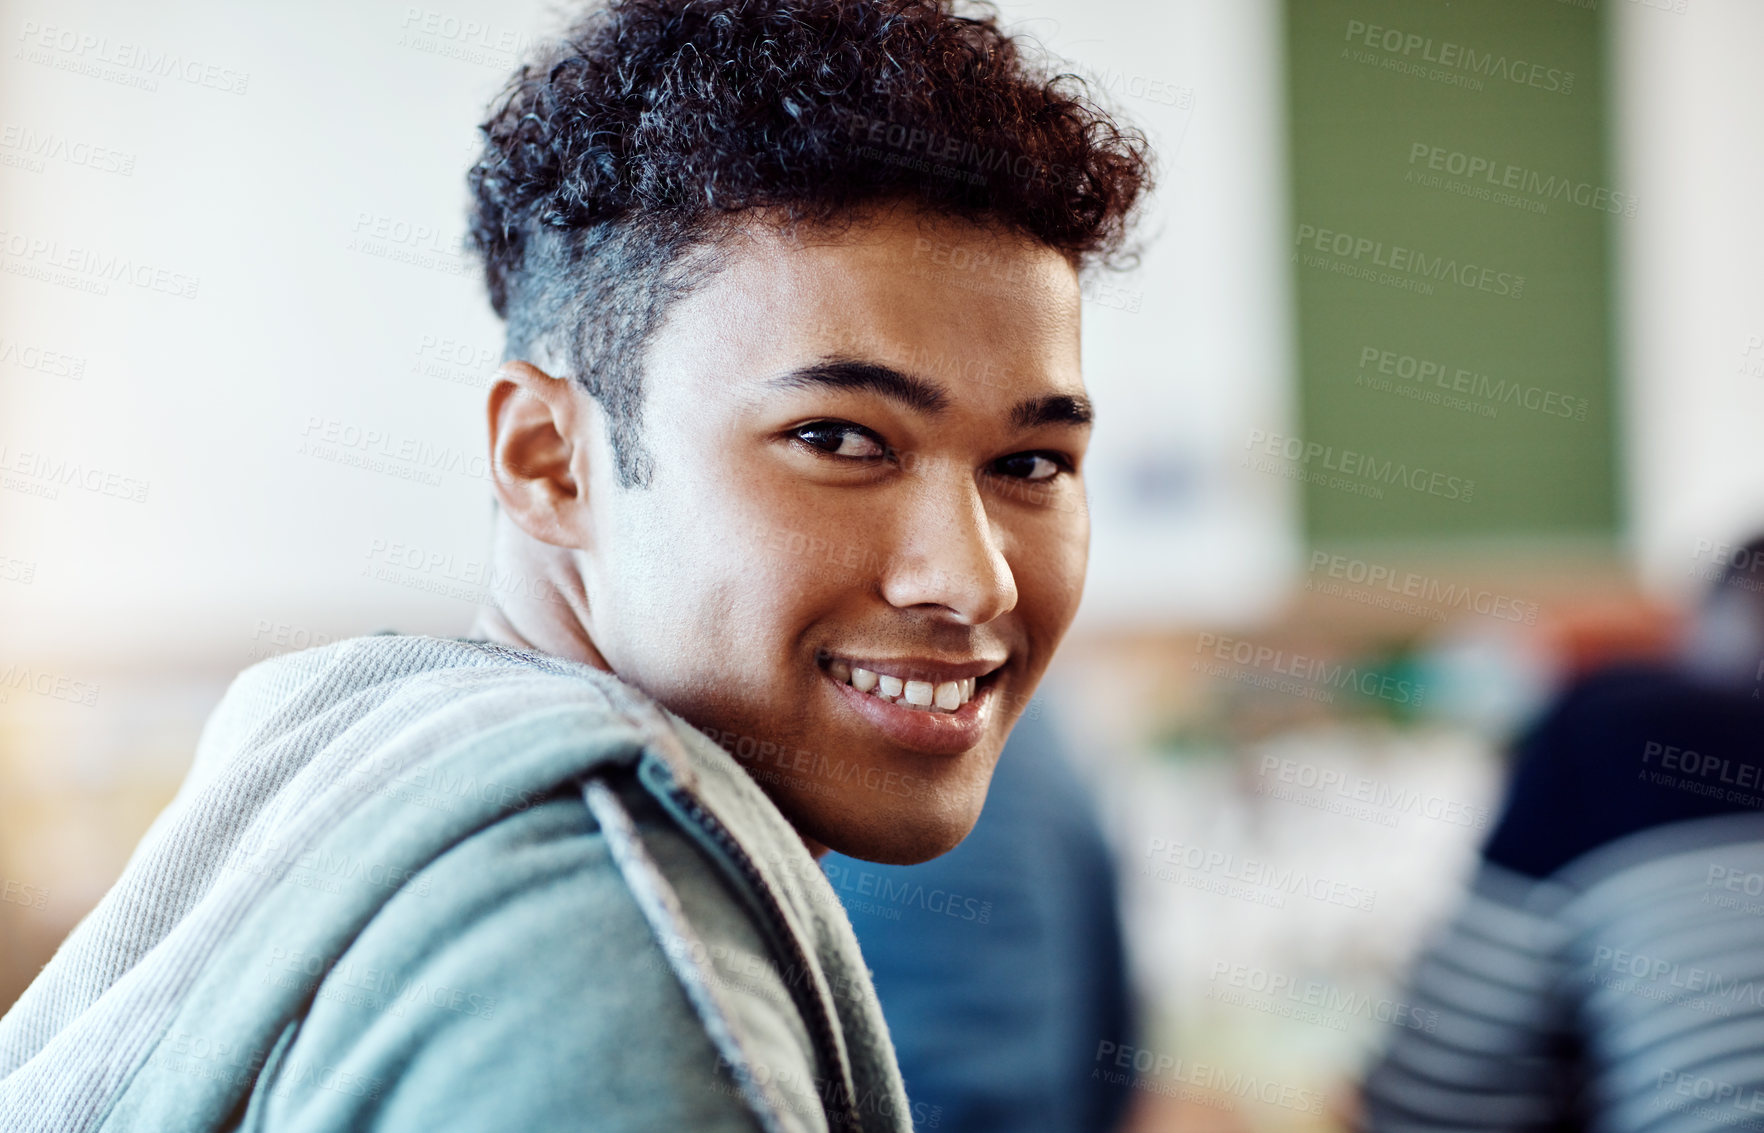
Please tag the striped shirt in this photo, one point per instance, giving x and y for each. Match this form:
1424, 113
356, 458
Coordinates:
1605, 971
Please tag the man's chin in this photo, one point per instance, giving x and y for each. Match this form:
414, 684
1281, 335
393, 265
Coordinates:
892, 808
907, 833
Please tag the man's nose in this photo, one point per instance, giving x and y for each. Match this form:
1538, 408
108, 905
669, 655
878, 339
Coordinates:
949, 553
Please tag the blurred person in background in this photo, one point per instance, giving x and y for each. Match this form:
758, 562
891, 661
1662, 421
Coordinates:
1606, 969
1000, 964
787, 451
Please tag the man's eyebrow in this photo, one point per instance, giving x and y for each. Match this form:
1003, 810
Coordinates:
843, 373
1054, 409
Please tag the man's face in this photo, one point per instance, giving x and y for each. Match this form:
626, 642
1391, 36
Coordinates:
866, 450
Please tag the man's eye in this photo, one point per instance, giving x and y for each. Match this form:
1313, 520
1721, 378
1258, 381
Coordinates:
1030, 466
841, 438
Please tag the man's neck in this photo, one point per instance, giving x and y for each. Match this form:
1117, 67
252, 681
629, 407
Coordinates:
548, 611
524, 623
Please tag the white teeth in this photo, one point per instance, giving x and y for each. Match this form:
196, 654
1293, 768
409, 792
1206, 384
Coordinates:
943, 696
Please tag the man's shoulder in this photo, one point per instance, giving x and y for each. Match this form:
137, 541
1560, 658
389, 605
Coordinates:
516, 977
383, 661
369, 689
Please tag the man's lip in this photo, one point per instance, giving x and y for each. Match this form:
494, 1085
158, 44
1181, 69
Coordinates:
930, 733
937, 670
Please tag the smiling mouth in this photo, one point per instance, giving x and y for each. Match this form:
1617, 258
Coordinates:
909, 686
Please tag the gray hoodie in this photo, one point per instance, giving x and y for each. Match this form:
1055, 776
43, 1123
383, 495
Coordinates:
420, 883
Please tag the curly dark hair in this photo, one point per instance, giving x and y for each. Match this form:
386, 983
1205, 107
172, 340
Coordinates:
616, 159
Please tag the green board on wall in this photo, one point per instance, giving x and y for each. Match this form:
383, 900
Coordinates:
1451, 211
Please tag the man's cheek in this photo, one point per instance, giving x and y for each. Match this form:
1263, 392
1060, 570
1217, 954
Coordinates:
824, 549
1049, 568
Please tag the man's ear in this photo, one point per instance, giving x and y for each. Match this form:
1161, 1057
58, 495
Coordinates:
537, 468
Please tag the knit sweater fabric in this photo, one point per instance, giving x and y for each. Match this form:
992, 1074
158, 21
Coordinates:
419, 882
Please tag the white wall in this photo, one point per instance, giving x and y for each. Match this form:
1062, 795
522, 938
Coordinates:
1689, 112
345, 123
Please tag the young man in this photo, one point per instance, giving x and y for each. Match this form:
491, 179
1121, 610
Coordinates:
787, 456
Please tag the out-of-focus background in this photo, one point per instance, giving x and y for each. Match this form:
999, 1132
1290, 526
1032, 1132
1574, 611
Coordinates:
1441, 381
